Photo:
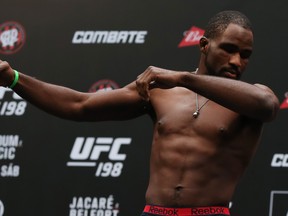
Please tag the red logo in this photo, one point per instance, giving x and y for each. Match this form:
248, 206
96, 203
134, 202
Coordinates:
12, 37
104, 85
284, 104
192, 37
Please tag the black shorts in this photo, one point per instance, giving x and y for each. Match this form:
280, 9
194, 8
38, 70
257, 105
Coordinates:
152, 210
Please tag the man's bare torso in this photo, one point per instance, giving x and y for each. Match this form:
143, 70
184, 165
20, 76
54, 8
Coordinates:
197, 161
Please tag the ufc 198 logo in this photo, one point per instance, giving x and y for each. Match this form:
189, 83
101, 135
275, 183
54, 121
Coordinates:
104, 153
1, 208
16, 107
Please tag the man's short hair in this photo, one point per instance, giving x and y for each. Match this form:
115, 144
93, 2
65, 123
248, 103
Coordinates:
218, 23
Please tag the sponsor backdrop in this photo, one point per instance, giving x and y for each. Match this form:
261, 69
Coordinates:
50, 166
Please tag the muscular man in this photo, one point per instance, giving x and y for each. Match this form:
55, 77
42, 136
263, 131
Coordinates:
207, 123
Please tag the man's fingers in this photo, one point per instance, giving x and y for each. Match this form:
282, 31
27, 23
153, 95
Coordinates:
143, 89
145, 81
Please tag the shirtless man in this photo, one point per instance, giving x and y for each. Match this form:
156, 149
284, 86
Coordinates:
207, 123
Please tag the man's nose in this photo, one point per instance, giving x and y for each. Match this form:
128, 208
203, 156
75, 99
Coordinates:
235, 59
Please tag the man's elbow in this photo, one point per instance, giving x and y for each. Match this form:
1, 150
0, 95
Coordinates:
271, 107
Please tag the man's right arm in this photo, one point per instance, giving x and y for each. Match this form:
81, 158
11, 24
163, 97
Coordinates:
254, 101
120, 104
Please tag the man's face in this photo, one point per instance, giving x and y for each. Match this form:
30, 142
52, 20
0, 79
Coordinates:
228, 54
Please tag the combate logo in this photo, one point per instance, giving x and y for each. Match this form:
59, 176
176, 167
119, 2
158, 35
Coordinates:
12, 37
191, 37
109, 37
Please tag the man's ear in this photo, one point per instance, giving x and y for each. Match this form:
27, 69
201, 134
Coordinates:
203, 44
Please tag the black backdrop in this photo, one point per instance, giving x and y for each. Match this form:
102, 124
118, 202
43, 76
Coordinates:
42, 172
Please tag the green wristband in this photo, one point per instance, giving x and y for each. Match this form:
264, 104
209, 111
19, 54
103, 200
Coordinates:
16, 78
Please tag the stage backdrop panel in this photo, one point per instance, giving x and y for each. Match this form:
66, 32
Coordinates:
103, 45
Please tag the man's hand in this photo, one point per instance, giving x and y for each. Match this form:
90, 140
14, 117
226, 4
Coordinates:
6, 74
154, 77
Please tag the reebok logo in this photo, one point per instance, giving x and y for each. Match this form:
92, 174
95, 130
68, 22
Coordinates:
208, 211
191, 37
203, 211
163, 211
